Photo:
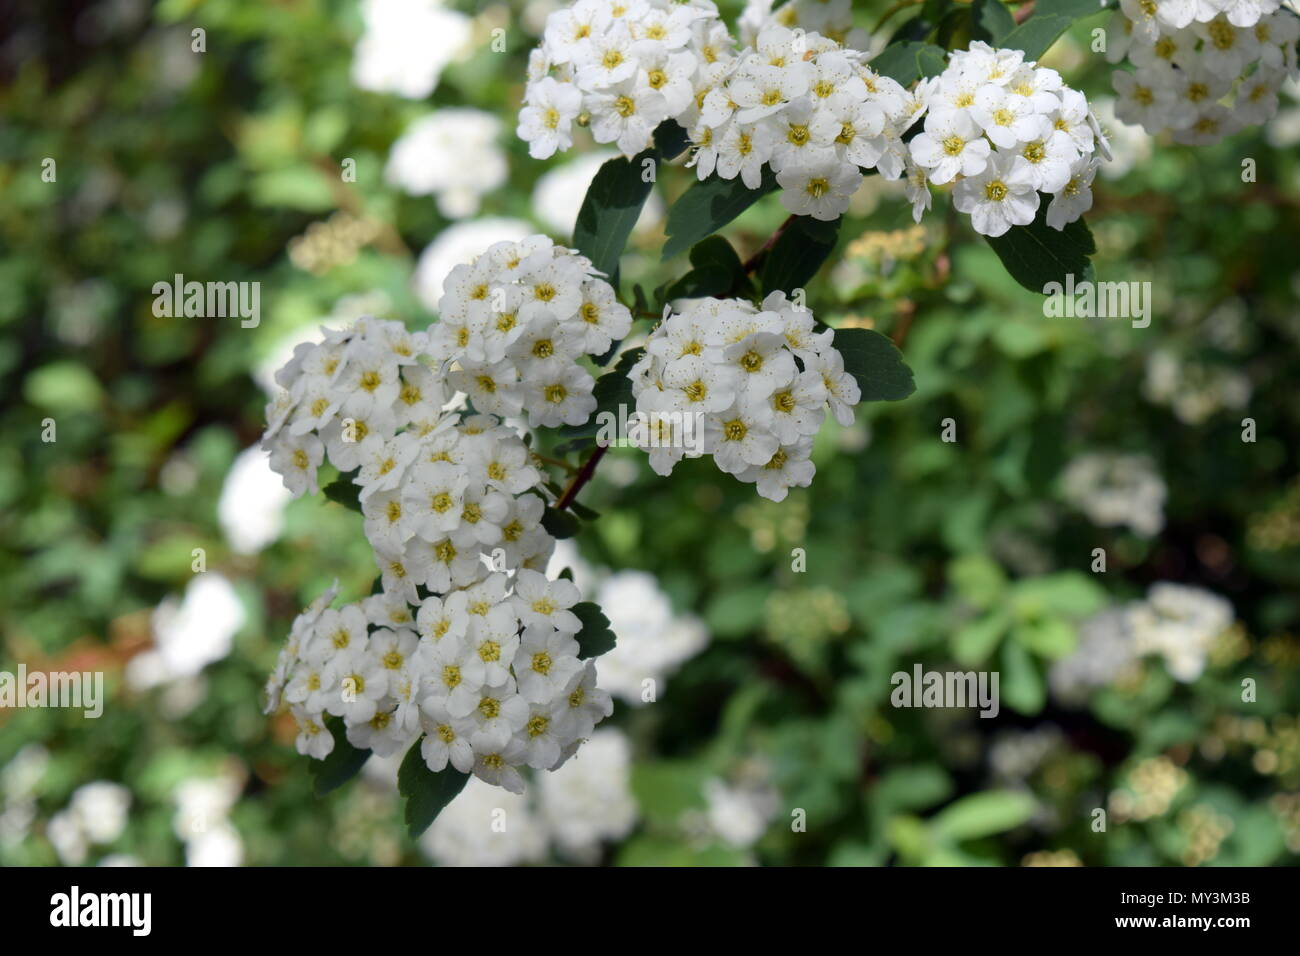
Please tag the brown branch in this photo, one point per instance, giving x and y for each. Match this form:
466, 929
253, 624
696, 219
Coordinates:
753, 261
581, 478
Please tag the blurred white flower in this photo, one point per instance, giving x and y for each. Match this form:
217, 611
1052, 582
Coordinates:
453, 154
101, 808
1179, 623
407, 45
1284, 130
485, 826
68, 839
459, 245
253, 498
1104, 651
1193, 390
589, 798
218, 846
558, 195
189, 634
18, 783
1114, 490
1015, 754
202, 821
652, 641
739, 814
1129, 145
95, 815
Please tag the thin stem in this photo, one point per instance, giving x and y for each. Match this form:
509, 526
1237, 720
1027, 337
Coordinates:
581, 478
556, 462
753, 261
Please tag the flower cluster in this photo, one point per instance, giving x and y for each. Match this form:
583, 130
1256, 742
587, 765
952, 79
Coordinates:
621, 67
1005, 130
1116, 490
811, 111
1203, 68
515, 321
483, 662
748, 386
1176, 622
491, 678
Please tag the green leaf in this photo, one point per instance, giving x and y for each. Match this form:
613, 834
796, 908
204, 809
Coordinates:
983, 814
1050, 637
583, 512
718, 272
912, 788
798, 254
1075, 9
610, 210
1066, 593
342, 763
560, 524
898, 61
978, 579
595, 638
877, 365
931, 60
344, 491
993, 21
709, 205
1036, 34
1021, 685
426, 792
671, 140
612, 389
975, 642
1037, 254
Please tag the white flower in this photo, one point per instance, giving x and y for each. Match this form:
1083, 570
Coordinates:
541, 602
1050, 161
821, 189
545, 662
1075, 197
492, 641
742, 151
313, 740
446, 738
547, 117
1000, 197
1114, 490
583, 704
452, 154
589, 798
951, 145
406, 46
251, 506
740, 437
789, 467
